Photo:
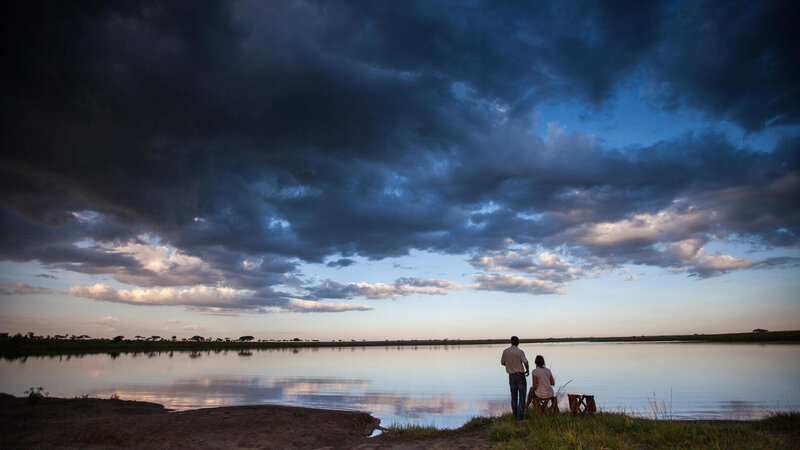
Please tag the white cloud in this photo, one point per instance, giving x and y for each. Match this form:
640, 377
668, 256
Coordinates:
402, 288
686, 250
542, 266
712, 265
399, 288
163, 266
691, 254
645, 228
514, 284
203, 296
303, 306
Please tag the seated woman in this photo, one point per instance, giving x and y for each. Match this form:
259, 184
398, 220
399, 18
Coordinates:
542, 382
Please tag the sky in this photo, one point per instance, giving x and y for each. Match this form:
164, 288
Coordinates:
399, 170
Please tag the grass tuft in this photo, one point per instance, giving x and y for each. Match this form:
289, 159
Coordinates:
419, 431
781, 422
477, 423
415, 431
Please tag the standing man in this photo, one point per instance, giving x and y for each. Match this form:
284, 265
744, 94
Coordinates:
514, 360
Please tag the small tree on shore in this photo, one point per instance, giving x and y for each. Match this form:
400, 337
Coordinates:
246, 338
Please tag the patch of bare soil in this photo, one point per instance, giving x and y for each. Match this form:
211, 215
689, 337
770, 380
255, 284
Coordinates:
88, 423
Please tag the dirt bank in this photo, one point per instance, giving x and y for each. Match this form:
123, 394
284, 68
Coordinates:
98, 423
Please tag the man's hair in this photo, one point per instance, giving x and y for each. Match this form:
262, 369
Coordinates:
514, 340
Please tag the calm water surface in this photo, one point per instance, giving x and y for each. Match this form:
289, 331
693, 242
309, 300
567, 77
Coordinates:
441, 386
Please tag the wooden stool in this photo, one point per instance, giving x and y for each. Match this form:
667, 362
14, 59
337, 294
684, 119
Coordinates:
540, 405
581, 403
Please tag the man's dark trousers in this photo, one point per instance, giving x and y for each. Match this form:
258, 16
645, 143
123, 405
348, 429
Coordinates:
519, 385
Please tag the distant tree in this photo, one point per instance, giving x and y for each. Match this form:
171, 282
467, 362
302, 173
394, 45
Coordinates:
154, 338
296, 339
198, 338
246, 338
118, 338
174, 338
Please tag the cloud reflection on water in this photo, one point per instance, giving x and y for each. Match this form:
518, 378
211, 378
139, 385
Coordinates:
328, 393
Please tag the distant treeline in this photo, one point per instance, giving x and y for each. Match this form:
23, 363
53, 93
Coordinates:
31, 345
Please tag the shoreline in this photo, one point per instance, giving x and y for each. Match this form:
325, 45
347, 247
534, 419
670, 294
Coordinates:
83, 422
11, 347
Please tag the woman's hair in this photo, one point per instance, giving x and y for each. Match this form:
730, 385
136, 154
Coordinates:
539, 361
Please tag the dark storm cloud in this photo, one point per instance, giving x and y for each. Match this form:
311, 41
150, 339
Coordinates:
734, 59
250, 137
341, 262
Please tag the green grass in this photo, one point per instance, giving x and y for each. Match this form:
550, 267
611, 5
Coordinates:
419, 432
618, 431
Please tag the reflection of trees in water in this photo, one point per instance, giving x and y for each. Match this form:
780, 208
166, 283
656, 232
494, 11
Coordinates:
245, 353
743, 410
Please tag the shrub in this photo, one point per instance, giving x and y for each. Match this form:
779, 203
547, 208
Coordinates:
35, 394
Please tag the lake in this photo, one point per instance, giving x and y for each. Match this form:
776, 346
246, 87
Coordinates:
442, 386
